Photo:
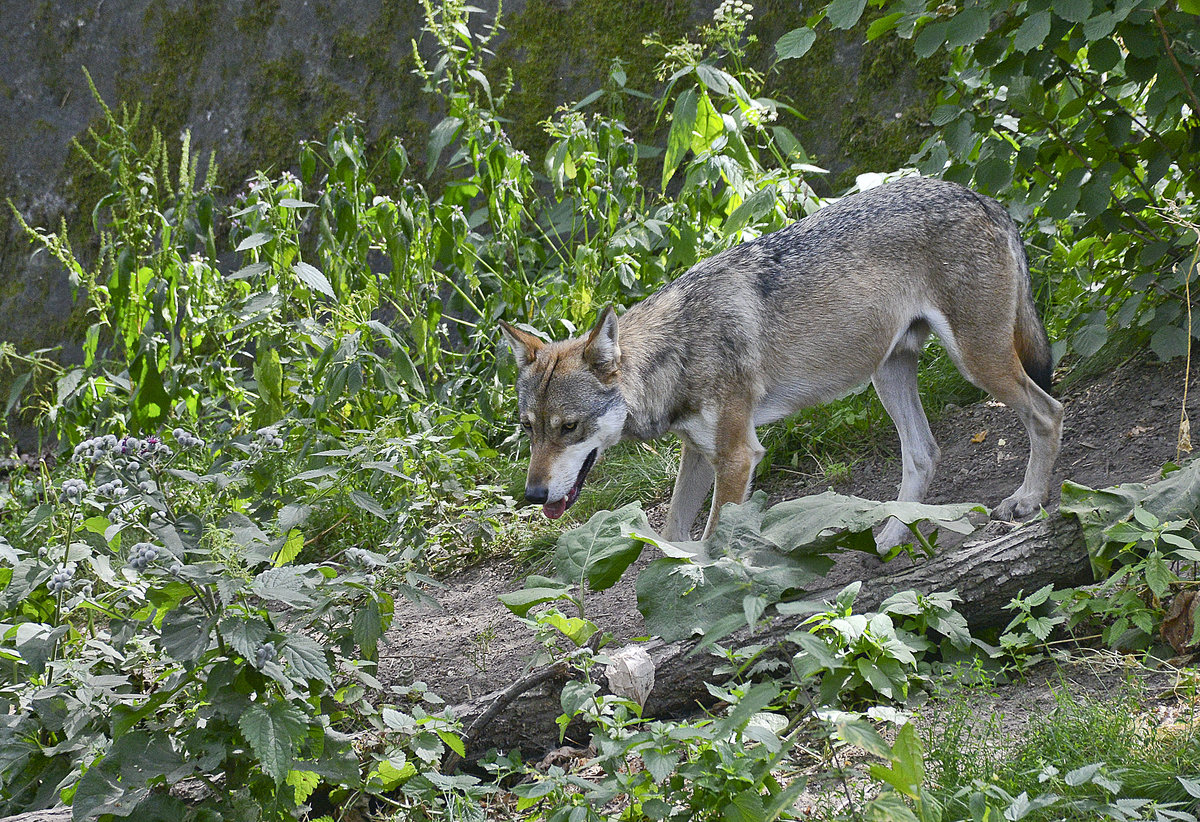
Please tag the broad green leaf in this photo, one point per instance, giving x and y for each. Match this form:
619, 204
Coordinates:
746, 806
186, 633
288, 584
367, 627
672, 605
766, 554
303, 783
816, 648
245, 634
863, 734
1082, 775
1061, 202
576, 629
876, 678
713, 78
759, 696
406, 370
575, 695
1158, 574
268, 377
1095, 197
1032, 31
318, 473
907, 770
709, 125
519, 602
1103, 55
256, 240
889, 807
795, 43
1169, 342
1176, 497
753, 208
883, 25
1100, 26
843, 14
968, 26
306, 659
439, 138
251, 271
314, 279
274, 732
1090, 338
1073, 11
150, 399
679, 140
930, 39
368, 503
659, 764
993, 174
816, 523
601, 549
453, 741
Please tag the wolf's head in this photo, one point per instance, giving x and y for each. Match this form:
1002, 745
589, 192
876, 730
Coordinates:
570, 405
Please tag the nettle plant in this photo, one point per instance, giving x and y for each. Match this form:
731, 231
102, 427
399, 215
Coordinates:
158, 631
863, 657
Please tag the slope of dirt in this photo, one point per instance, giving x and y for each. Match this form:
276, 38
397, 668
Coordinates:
1121, 427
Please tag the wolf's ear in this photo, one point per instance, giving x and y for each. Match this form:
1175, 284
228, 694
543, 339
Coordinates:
525, 346
602, 352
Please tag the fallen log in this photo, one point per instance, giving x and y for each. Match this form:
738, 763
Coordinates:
50, 815
987, 574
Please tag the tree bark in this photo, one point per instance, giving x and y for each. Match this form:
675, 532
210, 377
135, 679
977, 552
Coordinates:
987, 574
50, 815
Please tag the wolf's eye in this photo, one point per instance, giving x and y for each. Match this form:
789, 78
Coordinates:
568, 427
527, 425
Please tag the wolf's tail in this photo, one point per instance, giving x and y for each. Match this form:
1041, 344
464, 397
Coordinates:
1029, 336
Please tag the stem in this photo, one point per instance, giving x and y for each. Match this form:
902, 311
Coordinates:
1187, 86
921, 539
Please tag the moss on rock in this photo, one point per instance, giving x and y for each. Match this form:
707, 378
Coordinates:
558, 52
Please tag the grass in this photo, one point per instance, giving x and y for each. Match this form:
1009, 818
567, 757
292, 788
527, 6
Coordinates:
1142, 751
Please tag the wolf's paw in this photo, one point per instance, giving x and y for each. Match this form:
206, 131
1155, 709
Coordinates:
1017, 507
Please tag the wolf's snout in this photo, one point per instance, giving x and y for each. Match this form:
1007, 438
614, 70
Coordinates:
537, 493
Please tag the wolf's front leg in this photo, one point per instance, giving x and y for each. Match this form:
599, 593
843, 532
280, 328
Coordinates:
738, 452
691, 487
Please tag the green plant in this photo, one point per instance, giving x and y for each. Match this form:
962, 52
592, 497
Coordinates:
1087, 759
158, 630
1139, 537
862, 657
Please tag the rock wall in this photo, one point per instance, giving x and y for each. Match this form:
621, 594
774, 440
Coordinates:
252, 78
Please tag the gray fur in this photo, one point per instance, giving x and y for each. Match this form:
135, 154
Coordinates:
800, 317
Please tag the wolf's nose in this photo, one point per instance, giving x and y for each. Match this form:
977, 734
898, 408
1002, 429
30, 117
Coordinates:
537, 493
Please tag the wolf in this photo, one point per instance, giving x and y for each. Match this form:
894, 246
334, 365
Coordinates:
793, 319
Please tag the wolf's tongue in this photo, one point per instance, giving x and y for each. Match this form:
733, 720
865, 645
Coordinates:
554, 510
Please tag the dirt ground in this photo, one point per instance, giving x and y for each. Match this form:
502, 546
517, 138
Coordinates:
1119, 427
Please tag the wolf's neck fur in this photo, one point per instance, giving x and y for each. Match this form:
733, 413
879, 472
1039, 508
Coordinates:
650, 377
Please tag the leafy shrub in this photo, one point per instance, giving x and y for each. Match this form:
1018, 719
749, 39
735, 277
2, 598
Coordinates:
159, 631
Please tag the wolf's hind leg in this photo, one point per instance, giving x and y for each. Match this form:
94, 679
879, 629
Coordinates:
1003, 376
1042, 416
895, 382
691, 487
